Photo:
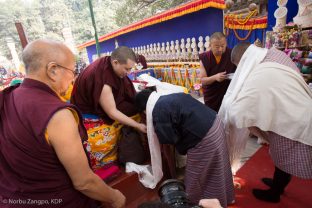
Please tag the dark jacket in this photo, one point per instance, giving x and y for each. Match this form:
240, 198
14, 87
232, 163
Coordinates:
181, 120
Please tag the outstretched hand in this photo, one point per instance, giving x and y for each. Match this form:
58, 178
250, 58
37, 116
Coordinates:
142, 127
220, 77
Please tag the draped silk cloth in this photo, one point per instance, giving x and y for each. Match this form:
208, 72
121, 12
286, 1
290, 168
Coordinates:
275, 98
270, 96
102, 140
153, 142
237, 137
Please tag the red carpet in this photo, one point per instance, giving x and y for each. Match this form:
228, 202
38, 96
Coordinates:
298, 193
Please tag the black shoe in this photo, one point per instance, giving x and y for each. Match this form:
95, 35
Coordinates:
266, 195
269, 182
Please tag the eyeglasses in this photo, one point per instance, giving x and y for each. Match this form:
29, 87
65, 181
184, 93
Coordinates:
72, 71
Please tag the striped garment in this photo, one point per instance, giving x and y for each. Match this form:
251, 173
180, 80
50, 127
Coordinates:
208, 172
277, 56
290, 156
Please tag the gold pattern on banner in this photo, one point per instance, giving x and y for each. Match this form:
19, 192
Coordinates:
247, 18
232, 18
179, 74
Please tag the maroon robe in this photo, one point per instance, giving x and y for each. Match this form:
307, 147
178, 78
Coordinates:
213, 93
89, 84
30, 168
141, 59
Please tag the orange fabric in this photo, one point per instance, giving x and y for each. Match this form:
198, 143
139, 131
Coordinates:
67, 95
218, 59
46, 135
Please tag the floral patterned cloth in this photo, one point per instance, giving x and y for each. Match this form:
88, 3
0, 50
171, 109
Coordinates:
102, 140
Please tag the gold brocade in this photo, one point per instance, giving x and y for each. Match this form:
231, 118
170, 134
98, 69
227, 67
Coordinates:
102, 141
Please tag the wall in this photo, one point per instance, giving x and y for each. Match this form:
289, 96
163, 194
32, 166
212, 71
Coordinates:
201, 23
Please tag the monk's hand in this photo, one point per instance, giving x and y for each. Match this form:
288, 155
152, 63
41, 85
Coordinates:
141, 127
220, 76
210, 203
119, 199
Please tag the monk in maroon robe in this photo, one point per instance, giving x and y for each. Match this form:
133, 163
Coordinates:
141, 59
43, 163
214, 67
103, 89
105, 94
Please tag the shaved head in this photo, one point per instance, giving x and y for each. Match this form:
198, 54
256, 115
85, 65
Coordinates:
218, 44
122, 54
217, 35
238, 51
39, 53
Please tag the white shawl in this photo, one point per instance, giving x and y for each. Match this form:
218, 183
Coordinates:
270, 96
275, 98
149, 176
237, 137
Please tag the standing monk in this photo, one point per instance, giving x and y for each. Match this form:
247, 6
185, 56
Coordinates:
214, 67
105, 95
43, 163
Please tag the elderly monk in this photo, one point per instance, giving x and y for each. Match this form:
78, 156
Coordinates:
196, 130
214, 67
270, 98
105, 95
41, 152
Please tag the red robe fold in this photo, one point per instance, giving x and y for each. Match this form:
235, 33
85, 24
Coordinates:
88, 87
213, 93
30, 168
